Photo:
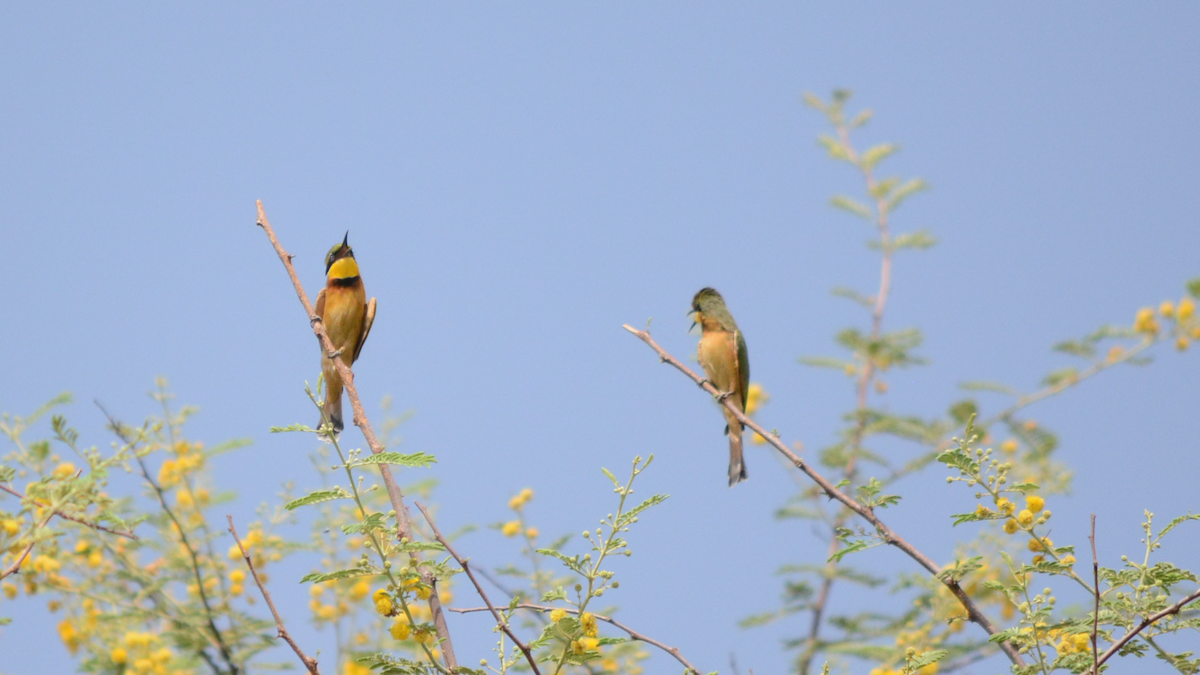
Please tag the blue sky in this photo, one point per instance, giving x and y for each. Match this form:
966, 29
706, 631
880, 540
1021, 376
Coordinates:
518, 181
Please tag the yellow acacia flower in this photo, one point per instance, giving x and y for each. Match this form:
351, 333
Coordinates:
1025, 517
400, 629
1167, 308
1034, 503
236, 589
1004, 506
1010, 526
46, 564
81, 546
329, 612
756, 396
532, 533
758, 439
184, 498
353, 668
1009, 446
511, 528
119, 656
982, 511
1145, 322
237, 576
10, 526
1082, 641
587, 621
316, 590
1181, 343
1115, 353
558, 615
69, 636
1186, 309
95, 559
65, 469
424, 592
423, 636
383, 602
359, 590
234, 552
1068, 559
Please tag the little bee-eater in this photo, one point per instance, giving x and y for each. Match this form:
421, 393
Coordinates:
723, 354
343, 308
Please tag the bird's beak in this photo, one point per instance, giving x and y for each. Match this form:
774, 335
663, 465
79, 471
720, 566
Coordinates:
346, 239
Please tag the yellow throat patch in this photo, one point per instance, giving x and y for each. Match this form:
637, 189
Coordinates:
345, 268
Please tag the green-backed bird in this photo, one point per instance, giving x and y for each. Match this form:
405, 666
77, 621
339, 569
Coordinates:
723, 354
343, 308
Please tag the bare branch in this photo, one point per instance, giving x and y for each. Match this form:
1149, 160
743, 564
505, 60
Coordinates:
309, 662
403, 518
500, 621
1145, 623
885, 533
633, 634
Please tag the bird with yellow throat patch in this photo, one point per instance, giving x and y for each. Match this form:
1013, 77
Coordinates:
343, 308
723, 355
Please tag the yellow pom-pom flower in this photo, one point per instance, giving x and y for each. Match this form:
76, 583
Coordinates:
1034, 503
558, 615
532, 533
1025, 517
400, 629
587, 621
1009, 446
1186, 309
1010, 526
1167, 308
383, 602
119, 656
1005, 506
511, 528
756, 396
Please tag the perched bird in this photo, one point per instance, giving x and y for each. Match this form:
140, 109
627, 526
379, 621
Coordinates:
723, 354
343, 308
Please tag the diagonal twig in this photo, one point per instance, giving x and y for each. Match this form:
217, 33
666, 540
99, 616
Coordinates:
403, 518
81, 521
633, 634
885, 533
309, 662
500, 621
1143, 625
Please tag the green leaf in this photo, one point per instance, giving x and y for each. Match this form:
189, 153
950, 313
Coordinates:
833, 147
1061, 376
574, 564
1193, 288
1024, 487
964, 410
629, 515
416, 459
615, 482
7, 473
923, 659
557, 594
878, 153
918, 240
409, 546
851, 294
860, 119
852, 206
318, 497
319, 577
908, 189
293, 427
983, 385
375, 521
1177, 521
961, 569
851, 547
1076, 348
825, 362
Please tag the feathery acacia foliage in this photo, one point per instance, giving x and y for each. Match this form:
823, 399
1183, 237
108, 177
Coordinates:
144, 587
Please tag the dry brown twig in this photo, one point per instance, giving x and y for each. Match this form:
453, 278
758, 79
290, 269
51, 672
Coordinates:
462, 562
633, 634
885, 533
309, 662
395, 495
1143, 625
